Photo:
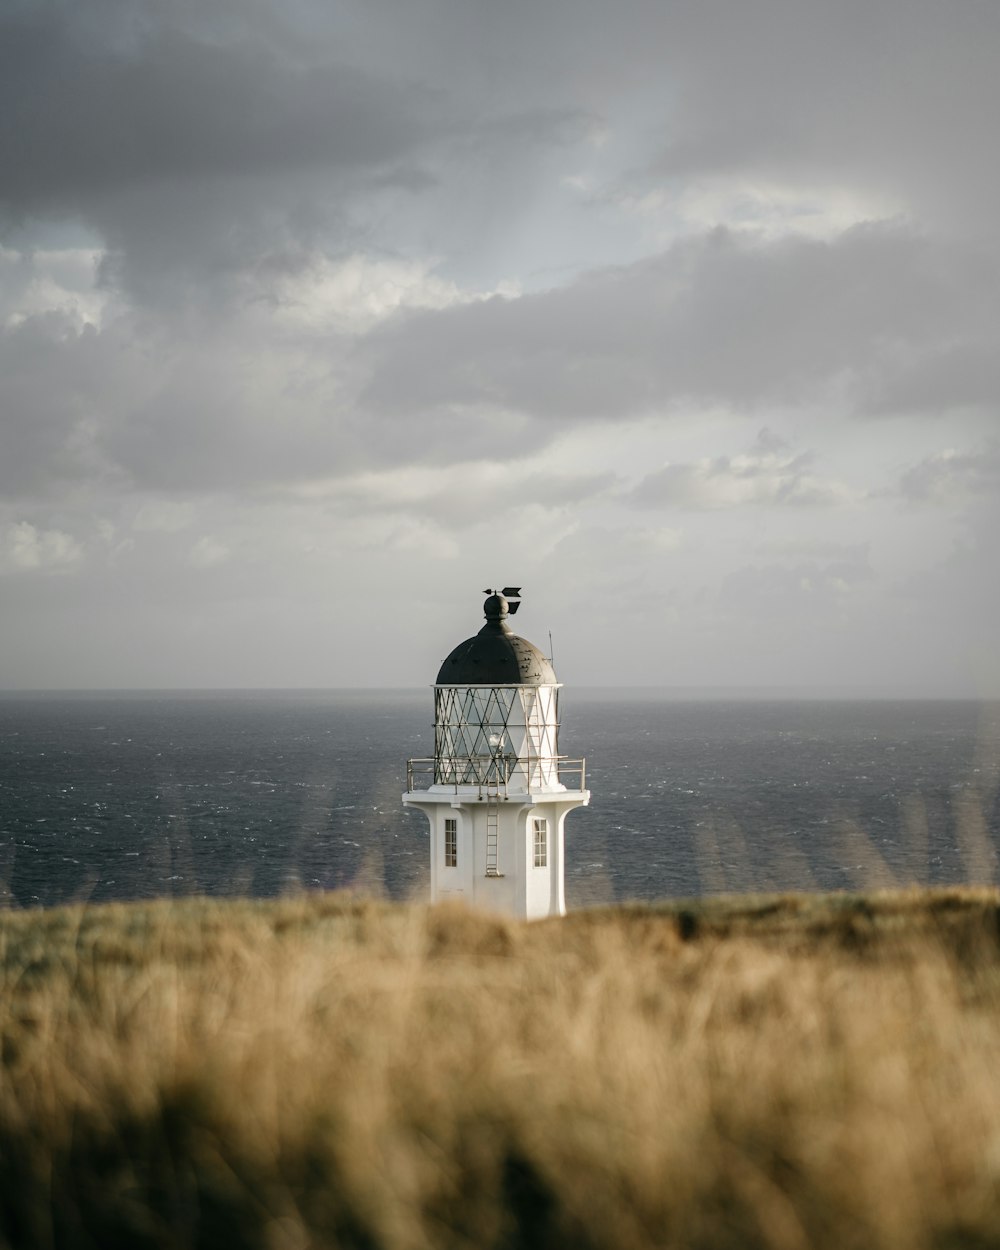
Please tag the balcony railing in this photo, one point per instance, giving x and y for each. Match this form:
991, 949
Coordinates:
490, 772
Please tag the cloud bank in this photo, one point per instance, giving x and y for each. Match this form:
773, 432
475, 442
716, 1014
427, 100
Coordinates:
692, 304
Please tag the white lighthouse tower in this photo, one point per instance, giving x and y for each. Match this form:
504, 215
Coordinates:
498, 791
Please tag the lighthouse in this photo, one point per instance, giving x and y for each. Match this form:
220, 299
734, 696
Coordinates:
497, 790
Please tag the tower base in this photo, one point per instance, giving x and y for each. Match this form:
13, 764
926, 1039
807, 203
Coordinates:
502, 852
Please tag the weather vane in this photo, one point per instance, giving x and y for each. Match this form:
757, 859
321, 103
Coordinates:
511, 593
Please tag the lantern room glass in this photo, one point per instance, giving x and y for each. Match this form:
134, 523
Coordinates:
497, 736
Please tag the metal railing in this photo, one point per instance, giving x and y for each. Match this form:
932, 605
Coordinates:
493, 771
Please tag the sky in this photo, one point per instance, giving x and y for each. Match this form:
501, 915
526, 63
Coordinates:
318, 319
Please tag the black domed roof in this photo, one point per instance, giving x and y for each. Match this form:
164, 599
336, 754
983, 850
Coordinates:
496, 656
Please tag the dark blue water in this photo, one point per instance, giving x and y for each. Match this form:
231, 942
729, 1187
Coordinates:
139, 796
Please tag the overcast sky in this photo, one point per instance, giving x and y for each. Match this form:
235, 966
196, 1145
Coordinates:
318, 318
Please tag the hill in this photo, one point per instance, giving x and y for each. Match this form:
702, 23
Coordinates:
786, 1072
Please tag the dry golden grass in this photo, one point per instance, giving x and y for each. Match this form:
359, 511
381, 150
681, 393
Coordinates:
792, 1072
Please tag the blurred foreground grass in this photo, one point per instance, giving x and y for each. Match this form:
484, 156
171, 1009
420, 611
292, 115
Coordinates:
800, 1071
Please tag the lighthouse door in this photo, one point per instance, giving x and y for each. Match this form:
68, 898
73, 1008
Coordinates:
492, 831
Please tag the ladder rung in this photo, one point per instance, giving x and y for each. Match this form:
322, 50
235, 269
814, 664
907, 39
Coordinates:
492, 834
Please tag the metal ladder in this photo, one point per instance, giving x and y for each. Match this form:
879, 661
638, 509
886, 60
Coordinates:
492, 830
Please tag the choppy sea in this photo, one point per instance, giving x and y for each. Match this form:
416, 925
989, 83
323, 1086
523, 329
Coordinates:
138, 795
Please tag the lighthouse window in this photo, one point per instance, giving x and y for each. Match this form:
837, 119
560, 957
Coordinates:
541, 843
450, 842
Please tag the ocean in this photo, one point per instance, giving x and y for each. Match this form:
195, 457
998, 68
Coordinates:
141, 795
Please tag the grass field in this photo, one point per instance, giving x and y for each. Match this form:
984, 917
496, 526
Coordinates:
800, 1071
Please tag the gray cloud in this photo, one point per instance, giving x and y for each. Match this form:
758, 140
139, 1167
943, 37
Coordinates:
725, 482
951, 476
203, 144
785, 594
471, 491
81, 123
894, 95
306, 295
59, 387
722, 318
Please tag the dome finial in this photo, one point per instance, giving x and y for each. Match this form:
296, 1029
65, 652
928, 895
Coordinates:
496, 607
499, 605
